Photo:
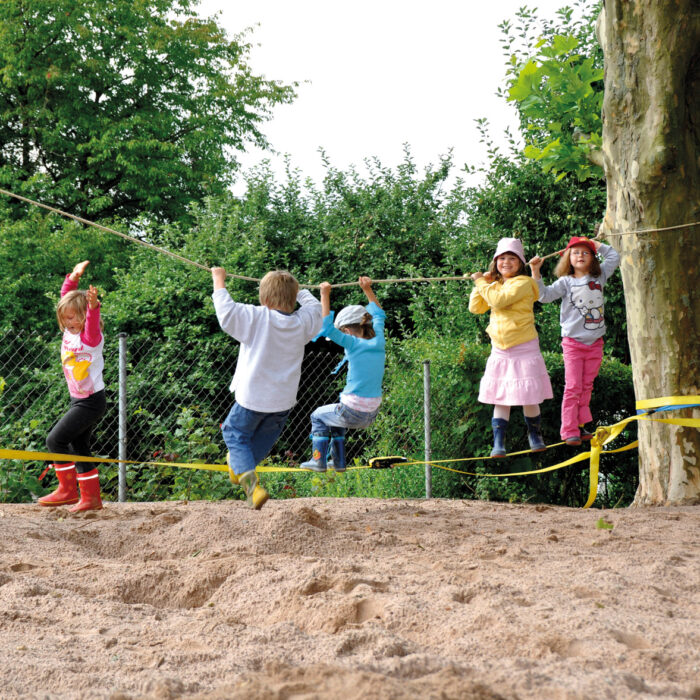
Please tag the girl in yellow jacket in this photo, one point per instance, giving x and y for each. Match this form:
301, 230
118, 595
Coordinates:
515, 372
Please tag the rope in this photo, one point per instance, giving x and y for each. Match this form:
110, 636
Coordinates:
559, 252
600, 235
87, 222
392, 280
399, 279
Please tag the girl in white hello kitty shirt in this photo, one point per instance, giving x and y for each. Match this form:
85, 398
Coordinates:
580, 287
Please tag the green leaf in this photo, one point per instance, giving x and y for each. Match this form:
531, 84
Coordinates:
563, 44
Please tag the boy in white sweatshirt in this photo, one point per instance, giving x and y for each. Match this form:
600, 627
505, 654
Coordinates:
265, 383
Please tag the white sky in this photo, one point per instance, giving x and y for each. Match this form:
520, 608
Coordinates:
381, 73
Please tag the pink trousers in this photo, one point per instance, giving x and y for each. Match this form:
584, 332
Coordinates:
581, 366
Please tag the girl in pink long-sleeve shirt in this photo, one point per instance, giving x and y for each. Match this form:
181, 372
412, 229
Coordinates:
78, 315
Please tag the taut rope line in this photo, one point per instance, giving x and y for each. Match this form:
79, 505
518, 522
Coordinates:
394, 280
87, 222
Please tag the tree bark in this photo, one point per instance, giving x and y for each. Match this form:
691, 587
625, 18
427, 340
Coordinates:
651, 142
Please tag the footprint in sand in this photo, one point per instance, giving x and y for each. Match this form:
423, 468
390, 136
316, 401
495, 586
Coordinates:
633, 641
22, 566
368, 609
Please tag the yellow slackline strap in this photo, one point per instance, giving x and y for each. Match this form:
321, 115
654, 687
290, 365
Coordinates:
667, 401
603, 435
437, 462
56, 457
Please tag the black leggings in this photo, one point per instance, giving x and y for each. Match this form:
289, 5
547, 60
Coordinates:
71, 435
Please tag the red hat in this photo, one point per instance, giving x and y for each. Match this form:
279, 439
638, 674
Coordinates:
580, 240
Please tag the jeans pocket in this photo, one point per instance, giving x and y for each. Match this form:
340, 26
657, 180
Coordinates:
353, 418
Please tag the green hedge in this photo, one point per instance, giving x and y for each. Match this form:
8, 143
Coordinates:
461, 427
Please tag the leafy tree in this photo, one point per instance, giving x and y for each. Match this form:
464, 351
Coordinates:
648, 149
36, 252
651, 139
555, 77
118, 107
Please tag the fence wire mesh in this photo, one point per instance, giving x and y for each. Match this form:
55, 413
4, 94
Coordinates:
177, 396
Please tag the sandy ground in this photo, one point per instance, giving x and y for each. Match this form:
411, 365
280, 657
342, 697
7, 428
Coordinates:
356, 598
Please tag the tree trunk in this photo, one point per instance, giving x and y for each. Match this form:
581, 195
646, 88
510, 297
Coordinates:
651, 142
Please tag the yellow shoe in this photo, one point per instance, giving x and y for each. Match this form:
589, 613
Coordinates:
259, 498
233, 477
255, 494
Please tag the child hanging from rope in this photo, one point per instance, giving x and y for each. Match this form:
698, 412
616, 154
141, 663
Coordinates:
78, 315
580, 287
515, 371
360, 330
272, 338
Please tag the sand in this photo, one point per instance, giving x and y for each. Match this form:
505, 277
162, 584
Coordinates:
349, 598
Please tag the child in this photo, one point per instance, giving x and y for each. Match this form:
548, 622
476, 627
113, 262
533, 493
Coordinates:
515, 371
580, 286
360, 330
272, 338
78, 315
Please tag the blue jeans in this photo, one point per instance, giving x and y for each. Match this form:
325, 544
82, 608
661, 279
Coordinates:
250, 435
334, 418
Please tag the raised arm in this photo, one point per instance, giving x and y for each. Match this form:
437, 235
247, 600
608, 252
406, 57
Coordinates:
71, 280
92, 333
325, 298
366, 285
477, 303
611, 259
218, 276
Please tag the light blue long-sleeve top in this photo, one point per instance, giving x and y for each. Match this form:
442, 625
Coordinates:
365, 357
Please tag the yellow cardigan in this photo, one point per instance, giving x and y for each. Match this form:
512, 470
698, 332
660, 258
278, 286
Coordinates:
512, 320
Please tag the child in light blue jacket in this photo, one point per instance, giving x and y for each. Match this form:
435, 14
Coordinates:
360, 330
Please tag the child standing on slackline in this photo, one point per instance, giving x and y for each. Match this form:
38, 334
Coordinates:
272, 338
580, 287
515, 372
360, 330
78, 315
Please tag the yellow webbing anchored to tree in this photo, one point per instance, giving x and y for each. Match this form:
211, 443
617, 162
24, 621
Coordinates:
57, 457
603, 435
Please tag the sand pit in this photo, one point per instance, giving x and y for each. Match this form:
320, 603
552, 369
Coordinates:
357, 598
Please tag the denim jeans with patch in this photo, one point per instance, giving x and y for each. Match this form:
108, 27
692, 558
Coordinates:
334, 418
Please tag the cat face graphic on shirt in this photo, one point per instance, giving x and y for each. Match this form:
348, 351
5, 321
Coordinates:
588, 299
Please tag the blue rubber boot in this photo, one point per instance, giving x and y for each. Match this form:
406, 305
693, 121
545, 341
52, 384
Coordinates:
534, 434
338, 453
319, 451
499, 425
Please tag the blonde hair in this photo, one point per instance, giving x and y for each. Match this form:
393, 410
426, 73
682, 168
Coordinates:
278, 290
363, 329
76, 301
564, 266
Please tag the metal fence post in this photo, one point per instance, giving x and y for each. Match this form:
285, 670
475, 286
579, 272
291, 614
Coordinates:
426, 422
122, 415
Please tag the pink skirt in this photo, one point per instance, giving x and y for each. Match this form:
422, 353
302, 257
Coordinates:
516, 376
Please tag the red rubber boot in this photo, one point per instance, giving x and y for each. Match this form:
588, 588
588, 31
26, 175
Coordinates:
67, 491
89, 483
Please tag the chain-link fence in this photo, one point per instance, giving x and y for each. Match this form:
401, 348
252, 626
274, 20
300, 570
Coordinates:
175, 394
